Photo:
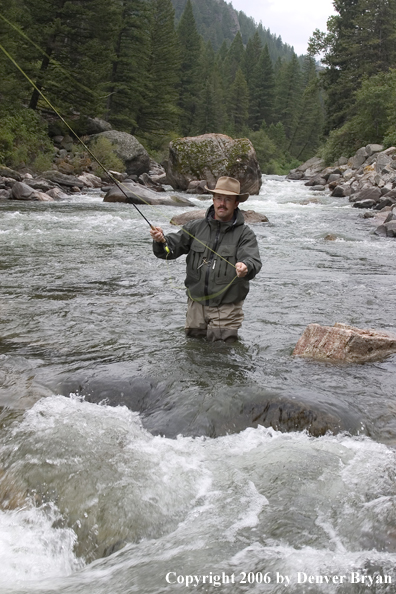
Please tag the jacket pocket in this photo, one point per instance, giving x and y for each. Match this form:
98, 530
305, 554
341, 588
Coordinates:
226, 264
194, 260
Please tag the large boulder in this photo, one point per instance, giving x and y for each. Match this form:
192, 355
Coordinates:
129, 150
250, 216
138, 194
69, 181
344, 343
211, 156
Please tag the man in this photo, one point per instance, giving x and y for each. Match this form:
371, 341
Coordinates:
222, 257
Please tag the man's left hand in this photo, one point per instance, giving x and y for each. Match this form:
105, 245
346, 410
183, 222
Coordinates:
241, 269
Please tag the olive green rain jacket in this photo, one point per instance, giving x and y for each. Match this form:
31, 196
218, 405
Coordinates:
207, 274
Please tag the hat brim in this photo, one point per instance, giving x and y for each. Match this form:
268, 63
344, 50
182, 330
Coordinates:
240, 197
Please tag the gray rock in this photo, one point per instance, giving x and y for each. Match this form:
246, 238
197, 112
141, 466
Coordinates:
344, 343
43, 197
317, 188
40, 184
138, 194
295, 175
348, 174
391, 217
250, 217
390, 194
381, 162
21, 191
314, 164
5, 194
10, 173
374, 148
134, 156
371, 193
316, 181
211, 156
341, 191
62, 179
333, 177
197, 187
67, 143
342, 161
96, 126
385, 202
358, 159
57, 194
364, 203
380, 231
390, 228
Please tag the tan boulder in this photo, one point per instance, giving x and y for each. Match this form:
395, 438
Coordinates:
211, 156
192, 215
344, 343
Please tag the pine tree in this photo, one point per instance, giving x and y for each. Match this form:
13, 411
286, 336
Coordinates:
210, 116
262, 91
288, 95
360, 41
159, 114
238, 103
127, 85
234, 59
190, 49
251, 56
74, 59
308, 132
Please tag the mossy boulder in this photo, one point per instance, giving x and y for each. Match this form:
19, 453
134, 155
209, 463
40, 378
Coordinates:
211, 156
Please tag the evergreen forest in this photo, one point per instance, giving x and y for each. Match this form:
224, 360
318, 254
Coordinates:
161, 69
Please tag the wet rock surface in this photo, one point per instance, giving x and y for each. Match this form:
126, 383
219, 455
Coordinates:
164, 409
344, 343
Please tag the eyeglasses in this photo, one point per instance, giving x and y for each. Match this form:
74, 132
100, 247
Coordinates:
226, 199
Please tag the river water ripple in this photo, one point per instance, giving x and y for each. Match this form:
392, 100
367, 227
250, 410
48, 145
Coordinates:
102, 499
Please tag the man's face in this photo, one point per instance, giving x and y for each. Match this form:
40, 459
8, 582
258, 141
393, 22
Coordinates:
224, 207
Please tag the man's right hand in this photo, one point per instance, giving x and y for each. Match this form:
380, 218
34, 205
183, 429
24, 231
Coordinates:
157, 234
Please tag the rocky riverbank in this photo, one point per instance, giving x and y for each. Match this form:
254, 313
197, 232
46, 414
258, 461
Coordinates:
368, 179
193, 164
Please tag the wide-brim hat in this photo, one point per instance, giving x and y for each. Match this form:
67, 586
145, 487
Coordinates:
229, 187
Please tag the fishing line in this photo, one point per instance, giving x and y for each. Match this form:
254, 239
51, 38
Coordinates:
110, 175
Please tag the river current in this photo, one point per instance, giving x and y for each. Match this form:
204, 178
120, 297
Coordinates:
189, 490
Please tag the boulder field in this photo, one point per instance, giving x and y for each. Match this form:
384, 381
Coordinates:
368, 180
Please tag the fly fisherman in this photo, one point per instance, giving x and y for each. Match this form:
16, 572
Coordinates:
218, 278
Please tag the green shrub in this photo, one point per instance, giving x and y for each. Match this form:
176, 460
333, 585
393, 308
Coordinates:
103, 150
23, 138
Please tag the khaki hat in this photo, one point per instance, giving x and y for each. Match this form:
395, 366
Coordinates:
229, 187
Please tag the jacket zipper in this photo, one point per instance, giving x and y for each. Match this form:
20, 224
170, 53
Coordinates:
206, 288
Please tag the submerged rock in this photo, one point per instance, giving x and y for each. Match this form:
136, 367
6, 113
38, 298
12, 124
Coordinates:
164, 409
250, 216
344, 343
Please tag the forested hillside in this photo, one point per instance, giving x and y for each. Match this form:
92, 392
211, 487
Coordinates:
218, 21
134, 64
359, 54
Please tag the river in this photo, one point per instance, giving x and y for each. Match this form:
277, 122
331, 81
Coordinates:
195, 478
